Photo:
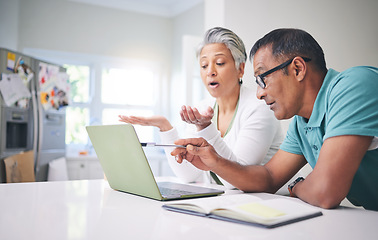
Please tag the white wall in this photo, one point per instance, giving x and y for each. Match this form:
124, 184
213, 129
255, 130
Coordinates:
190, 23
76, 27
346, 29
9, 24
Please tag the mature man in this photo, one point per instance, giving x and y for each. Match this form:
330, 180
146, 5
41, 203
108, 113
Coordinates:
334, 129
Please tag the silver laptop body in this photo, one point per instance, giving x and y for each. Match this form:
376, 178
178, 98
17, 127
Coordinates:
127, 169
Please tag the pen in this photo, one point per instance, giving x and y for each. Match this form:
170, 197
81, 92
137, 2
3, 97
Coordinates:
152, 144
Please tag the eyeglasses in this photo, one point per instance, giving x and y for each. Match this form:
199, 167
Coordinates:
260, 78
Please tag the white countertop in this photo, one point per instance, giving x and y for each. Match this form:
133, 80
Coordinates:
90, 209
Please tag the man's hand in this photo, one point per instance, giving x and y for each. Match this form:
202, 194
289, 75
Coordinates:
198, 152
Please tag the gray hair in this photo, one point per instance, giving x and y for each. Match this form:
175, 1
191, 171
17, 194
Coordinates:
228, 38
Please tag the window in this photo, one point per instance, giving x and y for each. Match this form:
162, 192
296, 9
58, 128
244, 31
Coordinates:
79, 79
124, 86
76, 118
97, 100
77, 113
128, 91
104, 87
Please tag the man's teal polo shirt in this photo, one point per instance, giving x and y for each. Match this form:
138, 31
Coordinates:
347, 104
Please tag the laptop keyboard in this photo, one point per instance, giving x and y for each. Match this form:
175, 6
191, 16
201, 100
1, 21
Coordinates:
170, 190
173, 192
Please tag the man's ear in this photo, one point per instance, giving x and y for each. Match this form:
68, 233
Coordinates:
300, 68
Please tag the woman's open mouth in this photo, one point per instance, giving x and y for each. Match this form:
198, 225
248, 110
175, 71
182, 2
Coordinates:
214, 84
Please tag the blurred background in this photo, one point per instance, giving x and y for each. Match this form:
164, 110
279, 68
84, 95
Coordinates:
138, 56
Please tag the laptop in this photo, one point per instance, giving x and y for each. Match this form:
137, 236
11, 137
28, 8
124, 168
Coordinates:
127, 169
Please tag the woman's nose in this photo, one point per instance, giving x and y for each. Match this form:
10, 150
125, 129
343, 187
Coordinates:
211, 71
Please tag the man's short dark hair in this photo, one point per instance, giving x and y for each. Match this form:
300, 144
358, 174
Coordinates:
288, 43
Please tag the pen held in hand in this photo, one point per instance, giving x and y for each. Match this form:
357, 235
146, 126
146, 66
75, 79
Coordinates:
152, 144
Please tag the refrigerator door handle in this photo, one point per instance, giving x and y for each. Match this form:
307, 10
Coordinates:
38, 126
35, 123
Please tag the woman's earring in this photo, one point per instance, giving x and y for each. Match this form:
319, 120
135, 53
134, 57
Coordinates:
240, 81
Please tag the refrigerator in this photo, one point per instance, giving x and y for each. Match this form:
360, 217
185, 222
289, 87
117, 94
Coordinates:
37, 120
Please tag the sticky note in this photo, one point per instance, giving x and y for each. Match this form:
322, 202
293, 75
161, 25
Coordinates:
11, 59
261, 210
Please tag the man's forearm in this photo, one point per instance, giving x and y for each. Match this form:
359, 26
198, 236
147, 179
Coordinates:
252, 178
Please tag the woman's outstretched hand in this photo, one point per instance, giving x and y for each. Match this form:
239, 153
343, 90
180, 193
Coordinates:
193, 116
156, 121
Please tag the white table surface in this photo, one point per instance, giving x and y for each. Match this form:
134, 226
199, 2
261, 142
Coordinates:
90, 209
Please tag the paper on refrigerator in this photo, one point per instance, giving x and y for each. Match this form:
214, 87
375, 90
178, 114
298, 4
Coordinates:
13, 89
54, 87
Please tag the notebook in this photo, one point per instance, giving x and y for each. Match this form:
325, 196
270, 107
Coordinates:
127, 169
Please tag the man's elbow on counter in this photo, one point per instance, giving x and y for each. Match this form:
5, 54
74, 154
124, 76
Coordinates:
327, 201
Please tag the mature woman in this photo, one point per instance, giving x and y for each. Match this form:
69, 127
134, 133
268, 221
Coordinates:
235, 122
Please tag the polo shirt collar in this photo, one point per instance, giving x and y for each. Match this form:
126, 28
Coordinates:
318, 112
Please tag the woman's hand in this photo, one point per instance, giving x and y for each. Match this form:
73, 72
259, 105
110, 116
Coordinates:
193, 116
156, 121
